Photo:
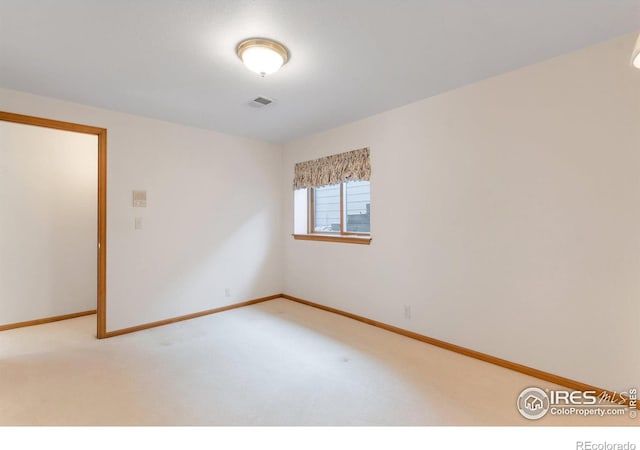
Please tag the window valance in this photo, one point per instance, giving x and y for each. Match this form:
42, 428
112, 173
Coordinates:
334, 169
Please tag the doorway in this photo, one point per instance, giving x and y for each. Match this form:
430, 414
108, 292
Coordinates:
101, 226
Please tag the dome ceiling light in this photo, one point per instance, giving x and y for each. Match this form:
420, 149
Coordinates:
262, 56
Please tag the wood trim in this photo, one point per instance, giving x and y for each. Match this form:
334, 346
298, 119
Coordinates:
546, 376
102, 235
29, 323
49, 123
312, 235
343, 225
189, 316
311, 205
101, 133
342, 238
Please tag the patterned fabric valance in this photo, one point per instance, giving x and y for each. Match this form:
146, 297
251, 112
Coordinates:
334, 169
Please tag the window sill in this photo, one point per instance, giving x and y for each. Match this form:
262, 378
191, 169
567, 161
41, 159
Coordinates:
342, 238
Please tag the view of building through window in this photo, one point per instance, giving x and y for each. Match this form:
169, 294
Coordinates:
357, 208
327, 209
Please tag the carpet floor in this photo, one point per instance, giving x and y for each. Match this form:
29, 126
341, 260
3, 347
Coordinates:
274, 363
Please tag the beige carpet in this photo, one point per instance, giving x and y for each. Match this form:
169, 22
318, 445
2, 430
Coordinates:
275, 363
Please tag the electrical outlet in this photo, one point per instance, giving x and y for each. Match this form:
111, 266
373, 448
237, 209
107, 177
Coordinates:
407, 311
227, 292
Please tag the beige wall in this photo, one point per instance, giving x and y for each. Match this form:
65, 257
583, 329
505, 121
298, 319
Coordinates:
505, 213
213, 220
48, 217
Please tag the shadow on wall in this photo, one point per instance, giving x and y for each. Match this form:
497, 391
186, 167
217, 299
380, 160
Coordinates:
209, 239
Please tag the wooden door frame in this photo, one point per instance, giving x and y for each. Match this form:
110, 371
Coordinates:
101, 133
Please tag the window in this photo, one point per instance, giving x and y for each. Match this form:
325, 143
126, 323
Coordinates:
333, 198
343, 208
357, 206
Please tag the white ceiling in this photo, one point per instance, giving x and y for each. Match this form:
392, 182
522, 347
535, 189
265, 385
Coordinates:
175, 59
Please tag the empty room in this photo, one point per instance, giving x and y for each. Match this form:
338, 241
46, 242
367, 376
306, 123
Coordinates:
340, 213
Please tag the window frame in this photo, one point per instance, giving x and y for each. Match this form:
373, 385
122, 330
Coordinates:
343, 236
311, 209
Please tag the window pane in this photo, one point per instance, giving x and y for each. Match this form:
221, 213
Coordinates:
358, 200
327, 209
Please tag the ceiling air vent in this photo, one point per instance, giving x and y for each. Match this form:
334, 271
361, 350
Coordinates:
261, 101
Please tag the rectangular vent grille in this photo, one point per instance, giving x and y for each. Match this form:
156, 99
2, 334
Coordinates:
262, 100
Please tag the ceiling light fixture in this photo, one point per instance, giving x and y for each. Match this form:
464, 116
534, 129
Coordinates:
262, 56
635, 56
